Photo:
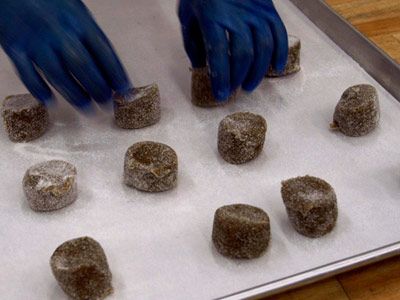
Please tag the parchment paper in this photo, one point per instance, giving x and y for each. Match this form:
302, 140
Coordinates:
159, 246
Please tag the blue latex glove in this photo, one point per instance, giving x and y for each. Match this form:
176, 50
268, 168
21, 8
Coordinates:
60, 40
237, 39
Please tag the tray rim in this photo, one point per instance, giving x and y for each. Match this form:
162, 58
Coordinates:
386, 72
377, 63
317, 273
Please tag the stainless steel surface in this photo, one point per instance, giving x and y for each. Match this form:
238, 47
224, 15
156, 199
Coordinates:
159, 245
319, 273
373, 60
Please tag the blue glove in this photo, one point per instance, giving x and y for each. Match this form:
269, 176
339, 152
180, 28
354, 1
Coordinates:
60, 40
237, 39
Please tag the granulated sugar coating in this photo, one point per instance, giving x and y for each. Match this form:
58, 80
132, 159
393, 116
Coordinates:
241, 231
81, 269
202, 95
24, 118
151, 167
139, 108
293, 62
50, 185
311, 205
357, 112
241, 137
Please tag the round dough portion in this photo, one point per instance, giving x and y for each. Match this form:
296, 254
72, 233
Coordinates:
202, 94
241, 231
311, 205
81, 269
151, 167
25, 119
241, 137
50, 185
293, 62
139, 108
357, 112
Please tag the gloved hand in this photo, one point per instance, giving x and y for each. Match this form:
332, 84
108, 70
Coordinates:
237, 39
60, 39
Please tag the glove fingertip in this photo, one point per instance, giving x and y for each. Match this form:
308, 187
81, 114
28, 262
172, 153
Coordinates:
47, 101
280, 66
249, 86
221, 95
196, 54
283, 58
43, 95
85, 107
124, 88
281, 40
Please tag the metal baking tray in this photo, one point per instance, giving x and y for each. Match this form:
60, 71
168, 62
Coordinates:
385, 71
159, 245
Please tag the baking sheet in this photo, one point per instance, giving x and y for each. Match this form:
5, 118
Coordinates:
159, 246
373, 59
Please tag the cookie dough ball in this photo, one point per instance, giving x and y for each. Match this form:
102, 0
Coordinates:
50, 185
293, 62
311, 205
81, 269
151, 167
357, 112
25, 119
241, 231
139, 108
241, 137
202, 95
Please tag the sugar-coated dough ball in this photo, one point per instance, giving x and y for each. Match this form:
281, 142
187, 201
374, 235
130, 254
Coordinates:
151, 167
241, 137
311, 205
25, 119
139, 108
241, 231
357, 112
50, 185
81, 269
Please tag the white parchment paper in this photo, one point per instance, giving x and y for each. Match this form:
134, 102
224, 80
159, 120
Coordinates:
159, 246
